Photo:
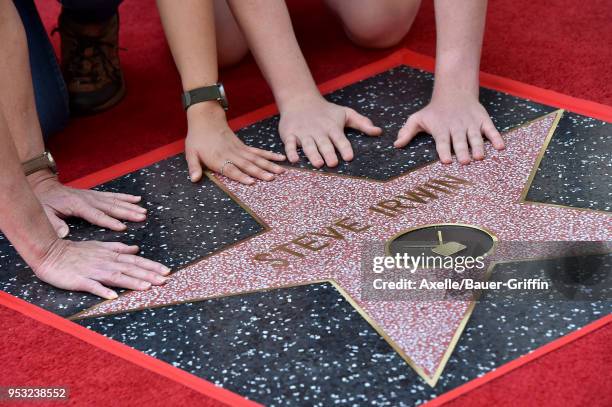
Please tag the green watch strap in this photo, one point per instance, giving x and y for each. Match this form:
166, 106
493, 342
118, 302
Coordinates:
205, 94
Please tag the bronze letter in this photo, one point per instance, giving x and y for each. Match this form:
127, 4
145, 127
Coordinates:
309, 243
417, 195
333, 233
284, 248
274, 262
451, 182
353, 226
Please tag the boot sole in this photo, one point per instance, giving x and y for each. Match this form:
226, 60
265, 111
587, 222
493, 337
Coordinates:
106, 105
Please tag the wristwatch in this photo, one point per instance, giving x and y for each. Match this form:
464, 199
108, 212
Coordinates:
205, 94
41, 162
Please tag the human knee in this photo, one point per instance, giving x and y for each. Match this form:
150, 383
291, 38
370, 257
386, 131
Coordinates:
380, 26
231, 44
231, 54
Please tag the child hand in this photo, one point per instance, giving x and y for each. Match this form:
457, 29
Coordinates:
210, 141
318, 127
453, 117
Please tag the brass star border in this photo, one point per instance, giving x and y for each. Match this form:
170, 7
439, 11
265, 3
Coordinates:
431, 380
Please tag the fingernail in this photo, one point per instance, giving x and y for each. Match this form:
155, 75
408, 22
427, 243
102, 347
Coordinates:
112, 295
63, 232
145, 285
162, 280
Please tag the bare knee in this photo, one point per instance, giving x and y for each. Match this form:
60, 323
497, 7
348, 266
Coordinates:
376, 23
231, 53
231, 44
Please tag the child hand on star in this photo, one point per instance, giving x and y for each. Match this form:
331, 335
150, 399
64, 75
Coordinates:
218, 33
454, 116
201, 35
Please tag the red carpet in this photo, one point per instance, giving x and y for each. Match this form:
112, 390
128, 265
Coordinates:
573, 375
34, 354
577, 374
559, 46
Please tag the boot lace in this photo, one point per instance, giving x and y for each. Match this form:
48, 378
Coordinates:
89, 59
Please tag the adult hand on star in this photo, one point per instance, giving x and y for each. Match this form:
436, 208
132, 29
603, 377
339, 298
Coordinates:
317, 126
105, 209
453, 117
211, 141
91, 266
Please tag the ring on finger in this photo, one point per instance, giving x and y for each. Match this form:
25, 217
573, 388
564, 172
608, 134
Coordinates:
226, 162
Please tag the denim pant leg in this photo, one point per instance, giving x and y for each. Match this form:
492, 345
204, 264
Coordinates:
49, 88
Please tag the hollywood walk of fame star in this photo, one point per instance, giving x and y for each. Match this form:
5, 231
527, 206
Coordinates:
331, 216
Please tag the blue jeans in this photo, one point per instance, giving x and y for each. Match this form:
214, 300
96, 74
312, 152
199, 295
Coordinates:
49, 88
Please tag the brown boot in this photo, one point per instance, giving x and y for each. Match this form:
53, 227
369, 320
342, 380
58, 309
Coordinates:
90, 64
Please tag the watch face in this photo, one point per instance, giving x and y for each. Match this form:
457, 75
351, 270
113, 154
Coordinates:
223, 100
52, 164
442, 240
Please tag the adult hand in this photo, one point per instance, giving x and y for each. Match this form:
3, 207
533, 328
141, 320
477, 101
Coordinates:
105, 209
211, 142
92, 266
453, 117
317, 126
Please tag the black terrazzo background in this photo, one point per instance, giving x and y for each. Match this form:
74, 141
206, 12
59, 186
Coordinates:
389, 99
307, 346
185, 222
577, 167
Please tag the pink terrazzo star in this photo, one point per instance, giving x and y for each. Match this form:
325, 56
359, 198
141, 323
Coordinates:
302, 202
